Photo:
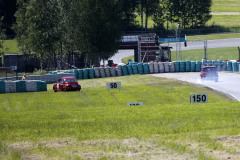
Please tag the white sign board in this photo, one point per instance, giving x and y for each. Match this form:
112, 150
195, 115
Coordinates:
134, 103
113, 85
199, 98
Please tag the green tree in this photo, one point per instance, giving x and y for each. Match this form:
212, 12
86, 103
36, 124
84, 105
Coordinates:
2, 37
100, 28
190, 13
38, 28
128, 8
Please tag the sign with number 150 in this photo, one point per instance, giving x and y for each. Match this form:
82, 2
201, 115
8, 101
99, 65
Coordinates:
199, 98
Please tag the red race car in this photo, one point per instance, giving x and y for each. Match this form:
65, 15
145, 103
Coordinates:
67, 84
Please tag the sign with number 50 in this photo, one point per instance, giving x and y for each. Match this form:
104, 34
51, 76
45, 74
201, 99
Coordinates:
113, 85
199, 98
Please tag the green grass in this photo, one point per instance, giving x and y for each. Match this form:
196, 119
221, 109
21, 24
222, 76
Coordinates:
214, 36
224, 20
68, 125
225, 6
11, 46
227, 53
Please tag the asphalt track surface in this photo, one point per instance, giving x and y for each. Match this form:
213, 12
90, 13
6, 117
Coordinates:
228, 83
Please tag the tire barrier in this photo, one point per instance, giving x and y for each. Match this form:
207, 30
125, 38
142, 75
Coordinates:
85, 73
135, 70
113, 71
80, 73
193, 66
91, 73
102, 72
107, 71
229, 66
188, 66
166, 67
198, 66
182, 66
22, 86
161, 67
150, 64
124, 70
119, 70
140, 68
235, 67
172, 66
145, 68
130, 71
155, 67
177, 66
97, 72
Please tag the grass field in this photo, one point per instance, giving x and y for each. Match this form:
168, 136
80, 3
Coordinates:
214, 36
227, 53
225, 6
96, 124
11, 47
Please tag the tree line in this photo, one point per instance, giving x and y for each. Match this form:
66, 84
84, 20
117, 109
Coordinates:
49, 28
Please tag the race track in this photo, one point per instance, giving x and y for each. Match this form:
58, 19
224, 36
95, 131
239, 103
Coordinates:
228, 83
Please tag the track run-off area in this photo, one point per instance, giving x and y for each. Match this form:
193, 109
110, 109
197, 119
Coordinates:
228, 83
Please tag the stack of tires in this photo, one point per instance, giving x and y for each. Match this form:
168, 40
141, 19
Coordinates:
177, 66
193, 66
188, 66
150, 64
161, 67
145, 68
140, 68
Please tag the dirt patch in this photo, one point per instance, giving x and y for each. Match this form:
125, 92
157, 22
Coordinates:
129, 149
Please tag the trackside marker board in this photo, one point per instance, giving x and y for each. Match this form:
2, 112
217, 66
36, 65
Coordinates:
134, 103
113, 85
199, 98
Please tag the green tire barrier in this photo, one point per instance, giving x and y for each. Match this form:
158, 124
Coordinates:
177, 66
80, 74
130, 71
188, 66
124, 70
229, 66
21, 86
76, 73
145, 68
85, 73
135, 70
41, 86
2, 86
198, 66
182, 66
235, 67
193, 66
140, 68
91, 73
